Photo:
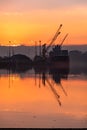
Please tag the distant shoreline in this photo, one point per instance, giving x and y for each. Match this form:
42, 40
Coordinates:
1, 45
30, 50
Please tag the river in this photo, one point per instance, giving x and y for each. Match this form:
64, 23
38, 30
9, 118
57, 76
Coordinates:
43, 100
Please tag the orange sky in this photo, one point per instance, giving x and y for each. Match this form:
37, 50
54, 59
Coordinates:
26, 22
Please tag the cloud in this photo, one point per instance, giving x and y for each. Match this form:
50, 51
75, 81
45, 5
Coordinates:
27, 5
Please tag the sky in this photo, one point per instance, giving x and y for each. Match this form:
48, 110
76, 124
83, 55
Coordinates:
27, 21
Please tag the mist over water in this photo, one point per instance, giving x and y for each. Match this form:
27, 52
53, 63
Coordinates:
30, 50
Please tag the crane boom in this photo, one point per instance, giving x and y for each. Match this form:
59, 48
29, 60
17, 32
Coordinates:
64, 39
55, 37
52, 41
56, 34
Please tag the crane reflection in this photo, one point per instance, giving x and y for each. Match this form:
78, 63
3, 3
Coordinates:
47, 78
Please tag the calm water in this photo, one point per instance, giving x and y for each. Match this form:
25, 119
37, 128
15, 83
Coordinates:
43, 100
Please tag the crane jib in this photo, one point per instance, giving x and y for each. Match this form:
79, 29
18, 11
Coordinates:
55, 37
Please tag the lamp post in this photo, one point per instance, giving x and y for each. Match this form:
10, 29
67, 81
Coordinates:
40, 48
35, 48
9, 49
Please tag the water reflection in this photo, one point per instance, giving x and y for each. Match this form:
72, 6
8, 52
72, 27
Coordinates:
44, 75
56, 75
43, 98
50, 77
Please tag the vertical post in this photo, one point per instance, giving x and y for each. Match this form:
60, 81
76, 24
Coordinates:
40, 48
35, 48
12, 50
9, 61
9, 49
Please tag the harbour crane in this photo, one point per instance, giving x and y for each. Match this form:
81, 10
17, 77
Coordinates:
59, 46
45, 49
64, 39
55, 37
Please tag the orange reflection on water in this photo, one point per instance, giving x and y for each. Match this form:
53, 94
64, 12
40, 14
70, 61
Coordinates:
75, 103
22, 95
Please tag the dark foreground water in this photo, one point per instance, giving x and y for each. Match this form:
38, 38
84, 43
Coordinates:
43, 100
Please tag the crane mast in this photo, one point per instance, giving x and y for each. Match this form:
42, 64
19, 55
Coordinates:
64, 39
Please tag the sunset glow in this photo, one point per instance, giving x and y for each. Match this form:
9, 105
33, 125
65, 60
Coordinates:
23, 21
